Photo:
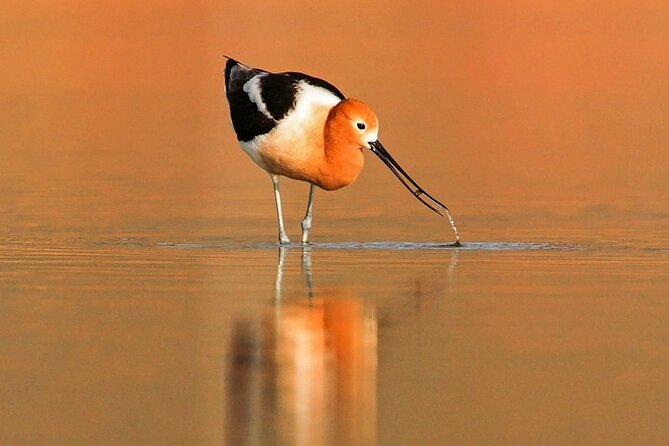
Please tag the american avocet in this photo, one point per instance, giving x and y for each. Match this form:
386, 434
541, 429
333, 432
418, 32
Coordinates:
301, 127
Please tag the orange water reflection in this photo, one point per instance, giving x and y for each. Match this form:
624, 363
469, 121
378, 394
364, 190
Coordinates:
306, 373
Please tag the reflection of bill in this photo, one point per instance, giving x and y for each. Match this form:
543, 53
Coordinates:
306, 373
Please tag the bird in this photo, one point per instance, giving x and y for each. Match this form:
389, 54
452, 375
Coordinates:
301, 127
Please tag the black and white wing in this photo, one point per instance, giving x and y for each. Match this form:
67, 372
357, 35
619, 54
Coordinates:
259, 99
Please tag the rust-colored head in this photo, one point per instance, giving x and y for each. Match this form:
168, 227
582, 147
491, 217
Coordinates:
354, 123
351, 126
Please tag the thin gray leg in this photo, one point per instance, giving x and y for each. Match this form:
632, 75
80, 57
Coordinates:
283, 238
306, 269
306, 223
279, 273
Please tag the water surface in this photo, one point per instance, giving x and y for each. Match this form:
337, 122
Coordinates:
340, 343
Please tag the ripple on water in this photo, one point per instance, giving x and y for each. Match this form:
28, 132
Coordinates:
390, 245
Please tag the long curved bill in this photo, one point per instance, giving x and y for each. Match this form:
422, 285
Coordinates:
417, 191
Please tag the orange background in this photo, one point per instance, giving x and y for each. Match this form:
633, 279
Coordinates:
564, 103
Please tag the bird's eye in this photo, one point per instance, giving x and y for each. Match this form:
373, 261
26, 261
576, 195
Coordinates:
361, 126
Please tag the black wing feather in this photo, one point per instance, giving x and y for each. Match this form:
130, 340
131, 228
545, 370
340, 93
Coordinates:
317, 83
247, 120
277, 90
278, 93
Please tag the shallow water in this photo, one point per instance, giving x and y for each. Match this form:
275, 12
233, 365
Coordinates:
143, 298
128, 340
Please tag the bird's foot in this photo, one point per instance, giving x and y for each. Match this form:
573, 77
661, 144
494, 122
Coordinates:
306, 226
283, 239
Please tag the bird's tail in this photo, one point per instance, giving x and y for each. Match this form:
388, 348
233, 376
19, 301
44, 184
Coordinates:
229, 65
236, 75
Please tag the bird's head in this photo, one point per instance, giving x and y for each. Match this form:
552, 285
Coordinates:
357, 122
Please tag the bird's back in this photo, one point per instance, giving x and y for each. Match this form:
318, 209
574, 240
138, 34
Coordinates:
259, 100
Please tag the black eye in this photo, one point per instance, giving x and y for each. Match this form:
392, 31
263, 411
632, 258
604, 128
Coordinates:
361, 126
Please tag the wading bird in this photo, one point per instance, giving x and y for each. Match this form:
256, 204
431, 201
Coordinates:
301, 127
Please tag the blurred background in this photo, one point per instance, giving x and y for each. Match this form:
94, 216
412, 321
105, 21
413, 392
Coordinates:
532, 109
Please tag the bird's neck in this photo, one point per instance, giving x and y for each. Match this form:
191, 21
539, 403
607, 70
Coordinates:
343, 158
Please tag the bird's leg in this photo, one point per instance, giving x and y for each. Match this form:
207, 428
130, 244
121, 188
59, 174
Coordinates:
283, 238
306, 223
306, 268
279, 273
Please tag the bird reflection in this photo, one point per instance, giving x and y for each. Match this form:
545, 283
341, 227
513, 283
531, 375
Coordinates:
305, 373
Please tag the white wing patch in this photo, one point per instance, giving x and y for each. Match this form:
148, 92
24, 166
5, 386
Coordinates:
252, 88
312, 105
299, 134
311, 95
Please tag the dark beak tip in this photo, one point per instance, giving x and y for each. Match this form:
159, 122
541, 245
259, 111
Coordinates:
429, 201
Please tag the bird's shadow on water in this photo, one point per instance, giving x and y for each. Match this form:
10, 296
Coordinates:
311, 350
309, 353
